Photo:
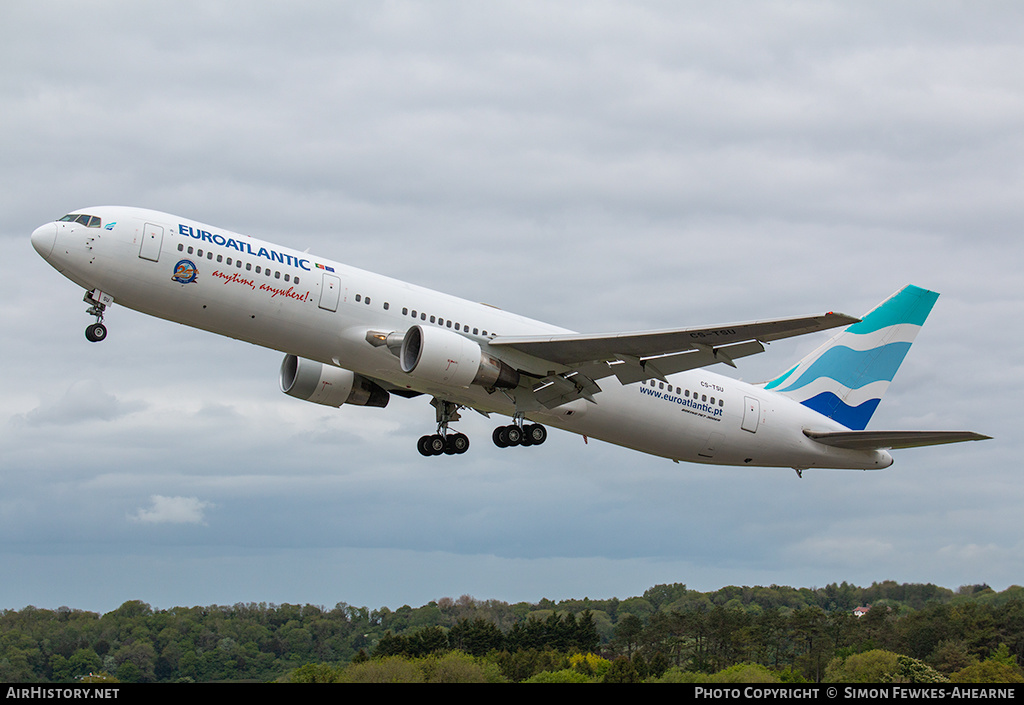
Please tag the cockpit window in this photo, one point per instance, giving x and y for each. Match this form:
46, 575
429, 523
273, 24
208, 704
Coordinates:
89, 221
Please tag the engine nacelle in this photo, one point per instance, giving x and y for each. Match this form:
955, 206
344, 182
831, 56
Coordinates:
329, 385
445, 357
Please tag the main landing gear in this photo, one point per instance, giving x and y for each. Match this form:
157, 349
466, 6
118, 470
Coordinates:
98, 302
519, 434
445, 443
442, 442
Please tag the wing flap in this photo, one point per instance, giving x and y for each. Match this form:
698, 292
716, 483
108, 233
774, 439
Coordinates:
879, 440
639, 370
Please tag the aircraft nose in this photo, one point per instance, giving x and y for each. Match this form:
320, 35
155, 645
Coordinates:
44, 238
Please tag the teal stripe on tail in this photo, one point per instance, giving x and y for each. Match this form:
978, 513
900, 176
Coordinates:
846, 377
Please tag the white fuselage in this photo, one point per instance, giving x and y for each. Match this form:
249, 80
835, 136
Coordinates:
322, 310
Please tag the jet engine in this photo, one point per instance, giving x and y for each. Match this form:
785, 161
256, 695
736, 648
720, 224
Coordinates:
445, 357
329, 385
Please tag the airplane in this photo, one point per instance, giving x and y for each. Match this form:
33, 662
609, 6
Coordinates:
353, 337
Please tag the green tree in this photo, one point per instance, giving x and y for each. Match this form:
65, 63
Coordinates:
988, 671
392, 669
314, 673
566, 675
869, 667
586, 638
627, 634
744, 673
476, 637
910, 670
621, 671
457, 667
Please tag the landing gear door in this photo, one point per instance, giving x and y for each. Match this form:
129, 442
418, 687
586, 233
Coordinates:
751, 414
152, 240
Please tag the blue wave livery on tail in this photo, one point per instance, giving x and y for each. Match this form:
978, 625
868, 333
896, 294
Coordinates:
846, 377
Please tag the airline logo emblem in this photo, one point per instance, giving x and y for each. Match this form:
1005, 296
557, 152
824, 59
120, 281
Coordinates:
185, 272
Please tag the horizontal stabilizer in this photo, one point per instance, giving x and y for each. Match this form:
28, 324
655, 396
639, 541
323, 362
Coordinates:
878, 440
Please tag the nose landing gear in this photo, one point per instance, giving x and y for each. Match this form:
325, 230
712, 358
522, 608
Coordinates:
98, 302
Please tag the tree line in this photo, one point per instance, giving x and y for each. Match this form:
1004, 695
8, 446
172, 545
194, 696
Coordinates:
794, 633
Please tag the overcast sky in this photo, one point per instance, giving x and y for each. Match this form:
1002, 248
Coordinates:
602, 166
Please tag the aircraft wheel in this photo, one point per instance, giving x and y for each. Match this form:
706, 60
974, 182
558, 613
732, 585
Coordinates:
536, 433
457, 444
422, 447
512, 434
96, 332
435, 444
496, 436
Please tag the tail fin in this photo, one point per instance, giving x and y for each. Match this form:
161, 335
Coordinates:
846, 377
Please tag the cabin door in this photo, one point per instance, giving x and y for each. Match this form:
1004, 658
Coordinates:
751, 414
330, 293
152, 240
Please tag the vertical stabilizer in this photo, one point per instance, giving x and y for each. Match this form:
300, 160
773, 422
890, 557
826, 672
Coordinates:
846, 377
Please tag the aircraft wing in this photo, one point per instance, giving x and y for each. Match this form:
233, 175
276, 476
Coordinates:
579, 348
878, 440
643, 355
